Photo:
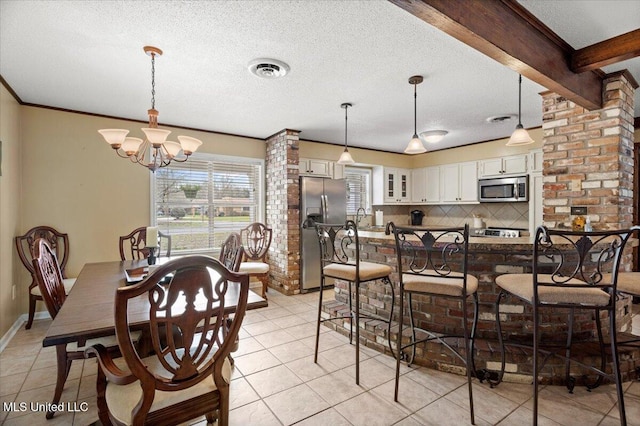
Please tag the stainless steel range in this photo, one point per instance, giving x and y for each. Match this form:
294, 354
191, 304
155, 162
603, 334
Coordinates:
496, 232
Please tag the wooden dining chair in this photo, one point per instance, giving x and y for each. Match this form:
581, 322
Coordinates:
25, 245
231, 252
433, 263
256, 240
577, 271
135, 243
49, 279
181, 381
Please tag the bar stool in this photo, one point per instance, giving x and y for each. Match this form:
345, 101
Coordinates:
568, 273
433, 262
340, 259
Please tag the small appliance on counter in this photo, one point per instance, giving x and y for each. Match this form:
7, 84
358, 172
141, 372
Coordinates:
497, 232
379, 218
477, 221
416, 217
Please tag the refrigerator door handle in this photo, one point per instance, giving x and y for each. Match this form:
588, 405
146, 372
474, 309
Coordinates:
323, 203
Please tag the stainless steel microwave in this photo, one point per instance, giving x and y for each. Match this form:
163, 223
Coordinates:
504, 190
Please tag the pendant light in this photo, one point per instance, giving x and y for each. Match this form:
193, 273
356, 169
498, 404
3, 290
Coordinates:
415, 144
520, 136
345, 158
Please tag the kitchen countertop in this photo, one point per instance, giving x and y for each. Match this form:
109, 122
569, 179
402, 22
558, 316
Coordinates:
380, 235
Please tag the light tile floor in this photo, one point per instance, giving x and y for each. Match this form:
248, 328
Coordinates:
275, 382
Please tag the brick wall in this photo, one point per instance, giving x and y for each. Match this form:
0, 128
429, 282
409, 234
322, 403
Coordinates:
282, 207
588, 157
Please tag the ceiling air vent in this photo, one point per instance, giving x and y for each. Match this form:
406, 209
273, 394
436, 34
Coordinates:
497, 119
268, 68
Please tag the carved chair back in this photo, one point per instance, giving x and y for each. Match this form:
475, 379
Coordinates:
231, 252
48, 276
256, 239
136, 244
58, 242
192, 304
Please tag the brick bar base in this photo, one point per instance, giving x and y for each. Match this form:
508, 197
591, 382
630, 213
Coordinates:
373, 334
487, 260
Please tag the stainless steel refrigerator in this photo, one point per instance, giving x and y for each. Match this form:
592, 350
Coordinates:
321, 200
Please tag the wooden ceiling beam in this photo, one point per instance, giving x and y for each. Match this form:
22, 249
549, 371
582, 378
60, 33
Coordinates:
607, 52
508, 33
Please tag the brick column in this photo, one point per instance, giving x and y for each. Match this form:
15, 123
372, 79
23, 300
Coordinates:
588, 157
283, 211
588, 161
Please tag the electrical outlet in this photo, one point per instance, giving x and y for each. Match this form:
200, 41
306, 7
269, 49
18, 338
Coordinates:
13, 292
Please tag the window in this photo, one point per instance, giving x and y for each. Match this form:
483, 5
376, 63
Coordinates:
200, 202
358, 189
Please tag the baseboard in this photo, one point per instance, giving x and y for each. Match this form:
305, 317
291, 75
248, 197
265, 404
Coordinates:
22, 319
4, 341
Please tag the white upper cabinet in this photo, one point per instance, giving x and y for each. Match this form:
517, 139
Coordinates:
425, 185
505, 166
395, 184
311, 167
535, 160
459, 183
338, 171
418, 187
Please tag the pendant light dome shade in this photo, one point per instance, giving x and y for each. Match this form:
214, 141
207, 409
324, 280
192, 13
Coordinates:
415, 145
345, 157
520, 136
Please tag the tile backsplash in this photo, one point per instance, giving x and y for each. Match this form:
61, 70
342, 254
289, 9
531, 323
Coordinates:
507, 215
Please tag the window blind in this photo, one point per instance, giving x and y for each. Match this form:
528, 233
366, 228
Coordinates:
358, 189
200, 202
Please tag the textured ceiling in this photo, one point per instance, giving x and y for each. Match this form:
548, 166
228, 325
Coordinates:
87, 56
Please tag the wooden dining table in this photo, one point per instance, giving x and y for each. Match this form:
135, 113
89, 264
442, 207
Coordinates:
88, 311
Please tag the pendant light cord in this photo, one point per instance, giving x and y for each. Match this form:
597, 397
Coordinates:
415, 109
520, 100
345, 126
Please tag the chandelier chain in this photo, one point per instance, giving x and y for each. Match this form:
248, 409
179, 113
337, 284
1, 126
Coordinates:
153, 81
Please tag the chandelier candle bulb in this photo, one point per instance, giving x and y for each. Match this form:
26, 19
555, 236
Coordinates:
152, 236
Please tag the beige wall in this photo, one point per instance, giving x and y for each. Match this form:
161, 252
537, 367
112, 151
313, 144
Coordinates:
10, 208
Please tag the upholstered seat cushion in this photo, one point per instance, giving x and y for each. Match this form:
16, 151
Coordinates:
121, 399
521, 285
254, 267
432, 283
67, 282
347, 271
628, 282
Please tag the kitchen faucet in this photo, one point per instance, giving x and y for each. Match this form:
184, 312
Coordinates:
358, 217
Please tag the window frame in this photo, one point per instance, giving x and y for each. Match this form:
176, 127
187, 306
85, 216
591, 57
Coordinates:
368, 171
199, 156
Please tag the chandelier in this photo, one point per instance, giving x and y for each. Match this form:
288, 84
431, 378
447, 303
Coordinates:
155, 151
